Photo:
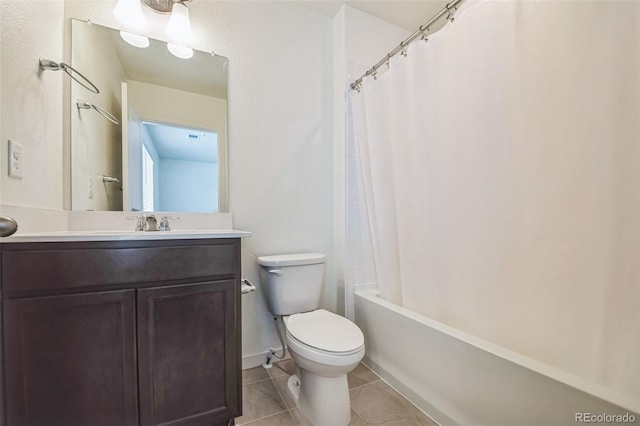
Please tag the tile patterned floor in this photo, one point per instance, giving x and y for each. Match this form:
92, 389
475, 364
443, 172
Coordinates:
373, 402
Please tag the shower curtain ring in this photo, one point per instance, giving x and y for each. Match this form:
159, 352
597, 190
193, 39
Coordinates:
450, 17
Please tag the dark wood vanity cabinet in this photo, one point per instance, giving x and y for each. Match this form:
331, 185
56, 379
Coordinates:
174, 338
71, 359
121, 333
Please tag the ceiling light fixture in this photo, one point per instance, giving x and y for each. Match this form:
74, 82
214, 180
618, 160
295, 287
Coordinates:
180, 51
129, 13
179, 26
136, 40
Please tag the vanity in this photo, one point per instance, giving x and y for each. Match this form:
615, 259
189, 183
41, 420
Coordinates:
121, 329
128, 328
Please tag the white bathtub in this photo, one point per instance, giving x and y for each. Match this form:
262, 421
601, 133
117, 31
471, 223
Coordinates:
459, 379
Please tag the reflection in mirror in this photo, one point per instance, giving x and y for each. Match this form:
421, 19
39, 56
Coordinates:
177, 163
169, 152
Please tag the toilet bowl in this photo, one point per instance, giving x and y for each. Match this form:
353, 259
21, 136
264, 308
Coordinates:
324, 346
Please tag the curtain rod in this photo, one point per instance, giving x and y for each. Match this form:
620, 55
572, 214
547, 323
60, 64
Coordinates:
402, 46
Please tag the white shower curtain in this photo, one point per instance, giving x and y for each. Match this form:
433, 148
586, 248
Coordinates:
502, 172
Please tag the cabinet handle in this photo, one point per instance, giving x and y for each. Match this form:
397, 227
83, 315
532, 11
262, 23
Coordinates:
8, 226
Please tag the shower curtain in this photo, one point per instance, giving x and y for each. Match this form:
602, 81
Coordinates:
501, 162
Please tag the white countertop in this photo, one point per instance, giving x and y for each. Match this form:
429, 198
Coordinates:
62, 236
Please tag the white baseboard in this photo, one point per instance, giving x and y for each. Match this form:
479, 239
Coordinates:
256, 360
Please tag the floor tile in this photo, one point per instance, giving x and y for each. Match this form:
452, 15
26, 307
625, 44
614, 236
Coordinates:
267, 401
283, 368
361, 375
300, 420
283, 388
355, 419
260, 399
419, 419
378, 403
281, 419
254, 375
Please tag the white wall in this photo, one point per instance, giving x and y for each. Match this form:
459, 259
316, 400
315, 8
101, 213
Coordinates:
31, 101
281, 173
186, 186
97, 142
167, 105
280, 123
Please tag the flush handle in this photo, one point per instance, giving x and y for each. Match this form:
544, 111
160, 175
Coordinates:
275, 271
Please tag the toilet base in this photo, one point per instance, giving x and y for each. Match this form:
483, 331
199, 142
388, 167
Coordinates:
323, 401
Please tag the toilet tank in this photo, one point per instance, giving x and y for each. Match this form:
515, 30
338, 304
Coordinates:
292, 282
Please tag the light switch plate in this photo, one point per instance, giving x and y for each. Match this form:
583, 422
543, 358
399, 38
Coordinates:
15, 159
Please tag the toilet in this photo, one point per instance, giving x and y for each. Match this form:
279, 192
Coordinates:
324, 346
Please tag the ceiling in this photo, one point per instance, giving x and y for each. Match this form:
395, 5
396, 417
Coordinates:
204, 73
179, 143
407, 14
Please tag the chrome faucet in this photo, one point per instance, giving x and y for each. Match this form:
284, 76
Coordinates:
164, 224
139, 223
151, 224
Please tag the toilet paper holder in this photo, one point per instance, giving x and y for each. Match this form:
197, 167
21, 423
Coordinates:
246, 286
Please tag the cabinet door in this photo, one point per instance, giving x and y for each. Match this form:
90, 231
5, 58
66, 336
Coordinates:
188, 346
70, 360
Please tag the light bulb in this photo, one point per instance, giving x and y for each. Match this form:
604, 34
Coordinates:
129, 13
182, 52
135, 39
179, 27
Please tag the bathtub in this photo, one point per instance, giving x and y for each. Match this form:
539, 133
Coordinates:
459, 379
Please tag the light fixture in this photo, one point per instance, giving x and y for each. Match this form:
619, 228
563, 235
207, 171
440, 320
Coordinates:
135, 40
129, 13
180, 51
179, 26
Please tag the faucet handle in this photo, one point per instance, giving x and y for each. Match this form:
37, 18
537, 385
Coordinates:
164, 223
140, 222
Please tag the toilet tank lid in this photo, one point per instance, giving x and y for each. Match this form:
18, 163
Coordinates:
292, 259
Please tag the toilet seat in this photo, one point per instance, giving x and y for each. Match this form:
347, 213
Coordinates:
322, 351
324, 332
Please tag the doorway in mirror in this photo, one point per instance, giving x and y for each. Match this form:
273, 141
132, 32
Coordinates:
178, 171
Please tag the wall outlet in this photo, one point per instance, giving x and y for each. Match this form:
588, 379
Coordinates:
15, 159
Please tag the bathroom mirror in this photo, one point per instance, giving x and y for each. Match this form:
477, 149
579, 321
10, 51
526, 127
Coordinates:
155, 137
